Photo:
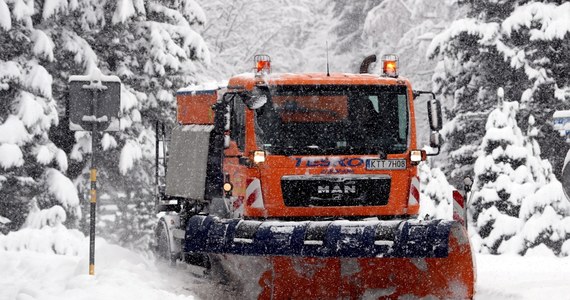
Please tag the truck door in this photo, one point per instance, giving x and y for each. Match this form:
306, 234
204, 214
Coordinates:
234, 169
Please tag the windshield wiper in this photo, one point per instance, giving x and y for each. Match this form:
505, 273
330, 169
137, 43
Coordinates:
281, 150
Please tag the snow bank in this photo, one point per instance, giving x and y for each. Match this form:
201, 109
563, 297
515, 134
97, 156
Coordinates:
46, 240
28, 273
38, 219
541, 276
29, 269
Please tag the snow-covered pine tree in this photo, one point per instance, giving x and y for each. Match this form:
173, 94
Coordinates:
546, 213
501, 179
32, 167
537, 36
467, 76
517, 202
436, 194
153, 47
516, 44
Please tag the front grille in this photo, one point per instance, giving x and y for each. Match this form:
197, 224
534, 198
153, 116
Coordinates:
351, 190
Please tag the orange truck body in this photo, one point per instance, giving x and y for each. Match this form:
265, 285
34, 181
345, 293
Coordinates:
257, 194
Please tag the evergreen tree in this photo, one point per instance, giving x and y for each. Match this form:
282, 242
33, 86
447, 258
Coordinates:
153, 48
436, 194
150, 45
31, 164
517, 202
517, 45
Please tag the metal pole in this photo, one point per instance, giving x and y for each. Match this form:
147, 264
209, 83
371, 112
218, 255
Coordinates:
93, 191
93, 201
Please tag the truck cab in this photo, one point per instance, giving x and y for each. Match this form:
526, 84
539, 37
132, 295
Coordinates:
303, 146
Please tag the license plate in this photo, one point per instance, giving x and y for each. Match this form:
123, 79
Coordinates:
385, 164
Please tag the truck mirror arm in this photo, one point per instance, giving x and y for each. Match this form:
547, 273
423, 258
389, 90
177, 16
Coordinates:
434, 153
417, 93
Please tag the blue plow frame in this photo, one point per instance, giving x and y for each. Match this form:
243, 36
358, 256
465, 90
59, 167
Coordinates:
394, 238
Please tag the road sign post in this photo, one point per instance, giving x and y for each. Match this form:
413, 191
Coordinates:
94, 105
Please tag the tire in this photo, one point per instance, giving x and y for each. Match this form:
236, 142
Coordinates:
163, 250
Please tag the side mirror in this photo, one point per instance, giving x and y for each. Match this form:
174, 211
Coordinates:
258, 97
435, 140
434, 114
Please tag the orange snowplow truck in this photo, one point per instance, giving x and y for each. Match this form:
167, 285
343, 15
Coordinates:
305, 186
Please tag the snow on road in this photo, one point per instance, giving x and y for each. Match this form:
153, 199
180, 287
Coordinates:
522, 277
30, 269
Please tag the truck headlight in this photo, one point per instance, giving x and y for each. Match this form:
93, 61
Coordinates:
258, 156
416, 156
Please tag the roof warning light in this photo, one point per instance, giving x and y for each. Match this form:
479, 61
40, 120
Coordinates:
390, 65
262, 64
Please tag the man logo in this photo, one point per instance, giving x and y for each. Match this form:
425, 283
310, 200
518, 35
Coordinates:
337, 189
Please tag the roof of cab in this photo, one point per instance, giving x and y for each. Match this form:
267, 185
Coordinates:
248, 80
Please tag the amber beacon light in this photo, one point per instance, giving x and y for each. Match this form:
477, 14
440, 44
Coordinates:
390, 65
262, 64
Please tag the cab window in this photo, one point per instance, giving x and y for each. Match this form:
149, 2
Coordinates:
237, 125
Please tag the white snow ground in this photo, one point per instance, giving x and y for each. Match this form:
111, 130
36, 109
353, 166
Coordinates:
30, 270
537, 276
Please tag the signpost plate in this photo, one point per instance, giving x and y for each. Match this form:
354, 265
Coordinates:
83, 92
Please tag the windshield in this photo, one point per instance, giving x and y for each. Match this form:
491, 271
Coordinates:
335, 119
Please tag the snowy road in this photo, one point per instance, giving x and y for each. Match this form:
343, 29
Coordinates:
528, 277
38, 273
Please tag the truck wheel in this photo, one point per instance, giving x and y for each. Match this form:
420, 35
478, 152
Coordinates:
163, 251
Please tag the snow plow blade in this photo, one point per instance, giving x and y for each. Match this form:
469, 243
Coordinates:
410, 239
343, 259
